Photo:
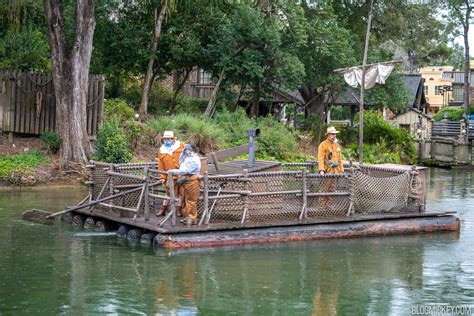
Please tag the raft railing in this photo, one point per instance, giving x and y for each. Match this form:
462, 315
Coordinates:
296, 193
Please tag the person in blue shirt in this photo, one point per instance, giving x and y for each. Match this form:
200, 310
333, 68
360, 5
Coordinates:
189, 169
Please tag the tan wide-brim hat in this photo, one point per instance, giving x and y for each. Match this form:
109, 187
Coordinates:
331, 130
168, 134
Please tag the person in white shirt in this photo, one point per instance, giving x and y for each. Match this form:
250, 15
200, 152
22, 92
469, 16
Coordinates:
189, 169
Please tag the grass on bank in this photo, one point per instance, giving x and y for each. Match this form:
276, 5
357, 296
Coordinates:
13, 168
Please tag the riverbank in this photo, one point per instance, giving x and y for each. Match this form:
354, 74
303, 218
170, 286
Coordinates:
26, 161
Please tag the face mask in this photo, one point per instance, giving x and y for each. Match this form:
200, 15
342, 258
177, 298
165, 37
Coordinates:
168, 143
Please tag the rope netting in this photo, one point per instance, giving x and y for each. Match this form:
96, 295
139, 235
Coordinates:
384, 194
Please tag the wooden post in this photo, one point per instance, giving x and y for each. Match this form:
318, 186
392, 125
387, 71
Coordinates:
111, 186
172, 199
206, 199
304, 193
146, 197
351, 189
362, 88
246, 198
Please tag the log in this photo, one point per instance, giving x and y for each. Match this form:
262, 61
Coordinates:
38, 216
104, 226
67, 217
89, 223
134, 234
123, 231
147, 238
78, 220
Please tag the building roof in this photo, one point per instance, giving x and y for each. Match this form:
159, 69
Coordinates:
412, 82
417, 112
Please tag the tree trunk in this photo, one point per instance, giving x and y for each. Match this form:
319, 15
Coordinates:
466, 70
255, 103
71, 76
154, 43
180, 81
212, 101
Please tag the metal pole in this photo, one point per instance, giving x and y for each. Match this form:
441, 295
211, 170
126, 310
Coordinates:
362, 88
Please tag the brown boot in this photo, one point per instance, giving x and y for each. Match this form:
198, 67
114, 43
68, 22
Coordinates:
162, 211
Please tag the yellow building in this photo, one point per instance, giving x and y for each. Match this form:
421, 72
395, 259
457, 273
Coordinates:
435, 86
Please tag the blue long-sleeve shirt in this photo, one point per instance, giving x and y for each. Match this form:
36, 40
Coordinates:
188, 165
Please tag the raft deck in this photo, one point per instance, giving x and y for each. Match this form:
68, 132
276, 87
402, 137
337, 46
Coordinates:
284, 201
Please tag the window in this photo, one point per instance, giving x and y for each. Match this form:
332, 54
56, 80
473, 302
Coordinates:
437, 90
425, 88
204, 77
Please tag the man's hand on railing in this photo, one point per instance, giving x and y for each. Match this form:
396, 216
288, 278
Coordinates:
182, 180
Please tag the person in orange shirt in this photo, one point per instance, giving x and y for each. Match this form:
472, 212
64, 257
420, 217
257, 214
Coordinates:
168, 159
329, 162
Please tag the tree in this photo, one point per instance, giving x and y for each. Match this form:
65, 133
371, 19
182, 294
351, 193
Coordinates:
249, 49
70, 64
159, 17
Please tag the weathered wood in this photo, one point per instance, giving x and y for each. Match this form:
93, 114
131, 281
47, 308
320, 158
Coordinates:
126, 175
206, 199
134, 234
122, 231
67, 217
78, 220
147, 238
104, 226
38, 216
89, 223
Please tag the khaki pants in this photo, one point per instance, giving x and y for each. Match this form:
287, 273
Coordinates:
190, 191
327, 185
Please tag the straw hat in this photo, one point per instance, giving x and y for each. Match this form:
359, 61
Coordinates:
168, 134
331, 130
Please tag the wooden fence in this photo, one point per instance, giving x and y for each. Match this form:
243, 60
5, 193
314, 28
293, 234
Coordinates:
28, 105
450, 129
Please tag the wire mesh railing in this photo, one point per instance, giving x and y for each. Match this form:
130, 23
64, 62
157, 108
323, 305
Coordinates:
295, 194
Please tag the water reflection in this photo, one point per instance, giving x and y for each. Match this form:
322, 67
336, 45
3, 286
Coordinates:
59, 270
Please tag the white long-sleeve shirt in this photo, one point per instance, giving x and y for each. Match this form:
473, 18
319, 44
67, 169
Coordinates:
188, 165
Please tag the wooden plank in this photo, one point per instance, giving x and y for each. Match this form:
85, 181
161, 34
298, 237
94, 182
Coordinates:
100, 117
90, 96
27, 105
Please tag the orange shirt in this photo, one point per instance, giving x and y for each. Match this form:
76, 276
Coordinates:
324, 149
168, 158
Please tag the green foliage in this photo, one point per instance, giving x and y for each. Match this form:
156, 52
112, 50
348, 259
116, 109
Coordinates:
112, 143
383, 142
471, 109
24, 50
198, 130
234, 126
117, 108
20, 164
161, 124
450, 113
276, 142
52, 140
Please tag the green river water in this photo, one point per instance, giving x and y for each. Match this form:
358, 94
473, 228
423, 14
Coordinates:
48, 270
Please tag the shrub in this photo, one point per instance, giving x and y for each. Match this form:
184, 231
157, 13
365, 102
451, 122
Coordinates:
234, 126
133, 130
450, 113
276, 141
52, 140
199, 130
112, 143
382, 141
162, 124
117, 108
